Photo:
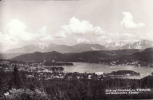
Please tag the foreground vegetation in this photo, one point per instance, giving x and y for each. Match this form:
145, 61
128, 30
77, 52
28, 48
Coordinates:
16, 86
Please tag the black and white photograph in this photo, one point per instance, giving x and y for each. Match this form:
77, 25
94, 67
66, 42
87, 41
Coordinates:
76, 49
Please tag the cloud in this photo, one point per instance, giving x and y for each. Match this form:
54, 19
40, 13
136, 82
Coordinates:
16, 34
128, 22
60, 34
82, 40
82, 31
17, 30
113, 37
145, 36
78, 31
77, 26
43, 35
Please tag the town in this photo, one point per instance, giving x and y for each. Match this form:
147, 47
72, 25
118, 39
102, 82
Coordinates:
54, 70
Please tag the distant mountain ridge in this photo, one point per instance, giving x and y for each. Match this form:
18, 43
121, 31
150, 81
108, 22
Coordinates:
141, 44
9, 55
82, 47
59, 48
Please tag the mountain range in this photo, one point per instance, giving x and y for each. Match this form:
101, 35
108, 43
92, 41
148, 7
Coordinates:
9, 55
78, 48
59, 48
141, 44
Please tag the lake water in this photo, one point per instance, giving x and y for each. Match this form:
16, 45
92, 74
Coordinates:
91, 68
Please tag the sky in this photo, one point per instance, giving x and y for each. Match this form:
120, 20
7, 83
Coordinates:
69, 22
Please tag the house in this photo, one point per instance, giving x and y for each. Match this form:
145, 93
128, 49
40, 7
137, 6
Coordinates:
99, 73
4, 62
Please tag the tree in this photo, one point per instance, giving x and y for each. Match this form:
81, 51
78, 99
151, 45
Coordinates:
16, 78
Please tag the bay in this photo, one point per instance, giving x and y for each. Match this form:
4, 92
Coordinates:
92, 68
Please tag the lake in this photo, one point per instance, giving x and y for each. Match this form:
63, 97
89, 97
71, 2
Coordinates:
91, 68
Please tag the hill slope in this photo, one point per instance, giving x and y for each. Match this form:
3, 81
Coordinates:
89, 56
